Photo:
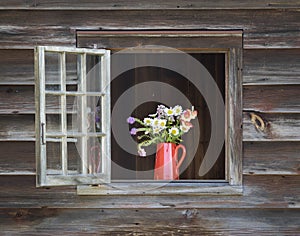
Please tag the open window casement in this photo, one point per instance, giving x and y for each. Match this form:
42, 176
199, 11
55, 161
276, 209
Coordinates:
72, 116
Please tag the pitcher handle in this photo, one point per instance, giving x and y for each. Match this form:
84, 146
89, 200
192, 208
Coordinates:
183, 154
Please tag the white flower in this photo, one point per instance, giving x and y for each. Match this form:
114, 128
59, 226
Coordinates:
169, 111
177, 110
174, 131
155, 122
162, 123
156, 130
142, 152
148, 121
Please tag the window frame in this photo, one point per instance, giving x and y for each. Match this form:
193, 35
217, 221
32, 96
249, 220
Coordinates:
229, 42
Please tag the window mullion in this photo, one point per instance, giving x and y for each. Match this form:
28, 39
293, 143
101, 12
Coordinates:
83, 114
64, 156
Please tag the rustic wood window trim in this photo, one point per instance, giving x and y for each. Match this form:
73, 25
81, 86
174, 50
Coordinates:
212, 41
62, 136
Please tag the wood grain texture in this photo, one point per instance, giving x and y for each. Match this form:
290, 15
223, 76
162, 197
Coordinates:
277, 99
277, 158
18, 99
266, 67
185, 221
145, 5
274, 127
42, 27
260, 191
16, 67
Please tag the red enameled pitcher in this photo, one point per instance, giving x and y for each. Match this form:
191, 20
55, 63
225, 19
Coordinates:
167, 162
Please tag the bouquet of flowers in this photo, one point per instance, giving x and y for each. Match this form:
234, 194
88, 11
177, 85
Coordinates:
167, 125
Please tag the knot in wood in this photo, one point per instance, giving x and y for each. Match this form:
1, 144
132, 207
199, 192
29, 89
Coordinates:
258, 122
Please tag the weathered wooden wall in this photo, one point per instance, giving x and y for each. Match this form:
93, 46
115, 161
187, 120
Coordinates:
271, 90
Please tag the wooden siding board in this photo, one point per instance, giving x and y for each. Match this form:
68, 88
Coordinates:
271, 99
145, 5
280, 158
261, 28
275, 127
269, 67
18, 99
260, 191
149, 222
16, 67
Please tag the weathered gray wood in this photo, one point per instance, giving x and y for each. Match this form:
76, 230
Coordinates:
145, 5
277, 98
261, 191
154, 189
264, 67
271, 127
280, 158
16, 67
21, 101
183, 40
58, 27
186, 221
18, 157
234, 119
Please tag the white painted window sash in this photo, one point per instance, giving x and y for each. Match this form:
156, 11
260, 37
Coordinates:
63, 136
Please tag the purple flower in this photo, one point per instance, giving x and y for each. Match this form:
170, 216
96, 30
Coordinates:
97, 119
133, 131
130, 120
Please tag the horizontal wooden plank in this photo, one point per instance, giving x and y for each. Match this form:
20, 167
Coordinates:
281, 98
264, 67
259, 192
146, 5
280, 158
149, 222
271, 127
42, 27
16, 67
17, 158
17, 127
17, 99
116, 40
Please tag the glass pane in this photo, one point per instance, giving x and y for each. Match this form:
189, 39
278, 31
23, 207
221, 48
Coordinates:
72, 71
94, 155
52, 71
93, 77
53, 123
53, 104
94, 114
54, 150
74, 160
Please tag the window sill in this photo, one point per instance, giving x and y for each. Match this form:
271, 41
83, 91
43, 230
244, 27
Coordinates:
151, 188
